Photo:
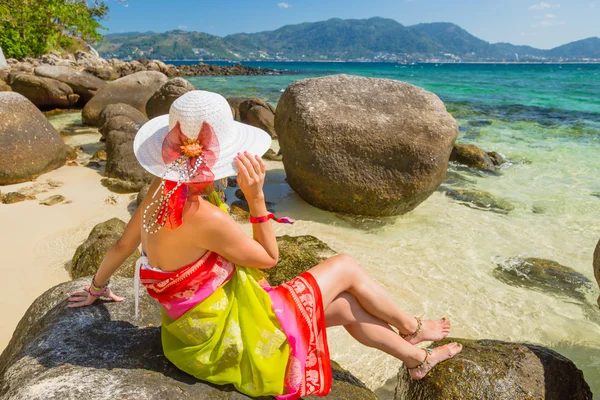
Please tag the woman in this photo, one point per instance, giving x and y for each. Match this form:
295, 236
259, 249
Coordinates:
222, 322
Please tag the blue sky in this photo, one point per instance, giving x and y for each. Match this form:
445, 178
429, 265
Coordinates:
542, 24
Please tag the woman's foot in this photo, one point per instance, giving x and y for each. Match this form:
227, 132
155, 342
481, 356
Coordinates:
431, 331
437, 355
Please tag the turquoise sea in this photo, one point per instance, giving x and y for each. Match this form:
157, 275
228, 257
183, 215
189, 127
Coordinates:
441, 258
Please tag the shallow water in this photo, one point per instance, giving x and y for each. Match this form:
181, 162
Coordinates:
439, 259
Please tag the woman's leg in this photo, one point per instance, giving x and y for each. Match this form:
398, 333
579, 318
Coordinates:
365, 328
342, 273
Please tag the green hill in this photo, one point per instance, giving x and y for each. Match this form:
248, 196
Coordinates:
337, 39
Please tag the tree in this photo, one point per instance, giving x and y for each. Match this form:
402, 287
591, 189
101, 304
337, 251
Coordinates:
33, 27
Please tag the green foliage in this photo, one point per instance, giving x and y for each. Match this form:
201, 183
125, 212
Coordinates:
33, 27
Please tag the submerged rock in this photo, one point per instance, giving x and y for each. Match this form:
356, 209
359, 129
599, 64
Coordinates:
296, 255
133, 90
490, 369
384, 142
543, 275
480, 200
29, 144
103, 352
472, 156
596, 265
89, 255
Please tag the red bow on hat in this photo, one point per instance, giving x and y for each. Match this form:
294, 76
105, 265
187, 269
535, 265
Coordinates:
201, 153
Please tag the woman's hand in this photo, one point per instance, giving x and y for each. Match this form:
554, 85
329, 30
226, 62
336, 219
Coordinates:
251, 175
81, 299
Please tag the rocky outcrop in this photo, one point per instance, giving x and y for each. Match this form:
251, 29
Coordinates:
596, 265
258, 113
29, 144
364, 146
297, 254
490, 369
229, 70
480, 200
123, 172
82, 83
133, 90
89, 255
472, 156
103, 352
121, 117
543, 275
44, 92
160, 102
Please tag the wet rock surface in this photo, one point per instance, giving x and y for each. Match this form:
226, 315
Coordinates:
480, 200
490, 369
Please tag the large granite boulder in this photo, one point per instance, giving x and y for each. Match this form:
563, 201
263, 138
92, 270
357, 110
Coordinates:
44, 92
596, 265
134, 90
90, 253
160, 102
123, 172
258, 113
29, 144
490, 369
363, 146
84, 84
103, 352
297, 254
4, 87
121, 117
543, 275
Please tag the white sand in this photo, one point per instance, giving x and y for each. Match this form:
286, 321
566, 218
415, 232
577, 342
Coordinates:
38, 241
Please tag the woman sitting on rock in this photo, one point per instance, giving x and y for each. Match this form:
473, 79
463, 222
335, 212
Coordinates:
222, 322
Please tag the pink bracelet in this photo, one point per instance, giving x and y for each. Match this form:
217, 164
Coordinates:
265, 218
100, 294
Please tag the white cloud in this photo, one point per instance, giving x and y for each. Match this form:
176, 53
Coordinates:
284, 5
548, 23
543, 6
549, 16
182, 27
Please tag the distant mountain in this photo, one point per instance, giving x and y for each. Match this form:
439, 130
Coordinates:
378, 39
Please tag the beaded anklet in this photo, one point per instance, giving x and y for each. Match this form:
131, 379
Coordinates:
415, 333
427, 351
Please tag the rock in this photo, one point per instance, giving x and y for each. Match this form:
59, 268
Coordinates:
234, 103
272, 156
121, 165
119, 123
141, 195
258, 113
122, 110
89, 255
52, 200
384, 142
160, 102
480, 200
490, 369
496, 158
3, 63
50, 59
54, 354
88, 59
596, 265
112, 200
84, 84
472, 156
232, 182
240, 211
543, 275
133, 90
4, 87
104, 73
13, 197
100, 155
44, 92
239, 194
31, 141
297, 254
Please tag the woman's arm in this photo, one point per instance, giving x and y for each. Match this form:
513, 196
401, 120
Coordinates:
219, 233
115, 257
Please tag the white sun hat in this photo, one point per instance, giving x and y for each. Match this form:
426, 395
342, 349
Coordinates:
191, 111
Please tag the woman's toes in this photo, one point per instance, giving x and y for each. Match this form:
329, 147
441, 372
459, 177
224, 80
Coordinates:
454, 349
